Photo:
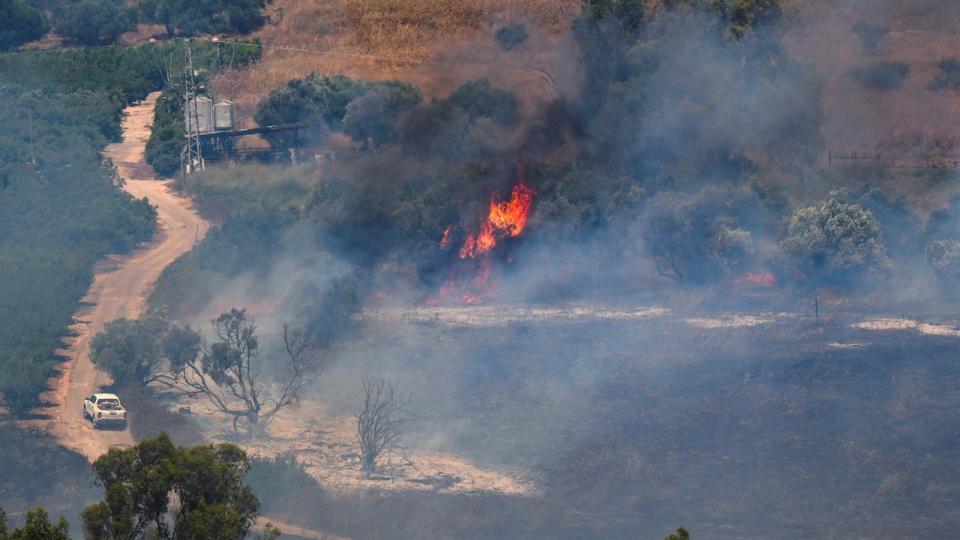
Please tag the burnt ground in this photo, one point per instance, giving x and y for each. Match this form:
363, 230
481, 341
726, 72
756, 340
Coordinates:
769, 426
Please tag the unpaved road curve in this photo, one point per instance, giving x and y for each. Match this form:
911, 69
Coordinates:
120, 289
121, 286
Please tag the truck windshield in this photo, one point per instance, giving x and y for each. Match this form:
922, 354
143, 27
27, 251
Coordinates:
109, 404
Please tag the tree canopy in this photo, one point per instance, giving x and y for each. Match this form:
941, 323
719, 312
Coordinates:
834, 241
20, 23
141, 483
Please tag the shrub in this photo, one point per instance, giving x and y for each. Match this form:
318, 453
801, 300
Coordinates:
94, 22
19, 23
372, 115
320, 99
834, 241
187, 18
944, 257
949, 75
870, 35
479, 99
511, 36
881, 75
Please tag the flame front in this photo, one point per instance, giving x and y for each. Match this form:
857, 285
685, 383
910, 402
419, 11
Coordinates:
506, 219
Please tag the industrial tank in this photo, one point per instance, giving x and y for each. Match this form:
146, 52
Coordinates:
201, 117
223, 115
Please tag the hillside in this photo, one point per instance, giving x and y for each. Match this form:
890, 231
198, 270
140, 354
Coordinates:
434, 44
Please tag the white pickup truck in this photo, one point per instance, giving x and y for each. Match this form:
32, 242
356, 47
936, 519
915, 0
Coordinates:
103, 409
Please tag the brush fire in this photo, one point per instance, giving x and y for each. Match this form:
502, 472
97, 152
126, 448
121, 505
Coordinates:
505, 219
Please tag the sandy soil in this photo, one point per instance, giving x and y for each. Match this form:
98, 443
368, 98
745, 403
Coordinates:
326, 445
120, 288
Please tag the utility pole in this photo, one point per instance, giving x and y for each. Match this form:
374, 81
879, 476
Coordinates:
194, 153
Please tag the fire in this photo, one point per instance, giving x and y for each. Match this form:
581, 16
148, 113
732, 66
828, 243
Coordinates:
506, 219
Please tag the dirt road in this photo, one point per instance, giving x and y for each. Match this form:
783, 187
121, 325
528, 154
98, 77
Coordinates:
121, 286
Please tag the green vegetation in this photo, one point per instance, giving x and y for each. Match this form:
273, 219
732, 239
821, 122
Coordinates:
136, 352
187, 18
944, 257
37, 527
317, 99
511, 36
94, 22
20, 23
206, 481
141, 484
835, 241
60, 211
680, 534
697, 238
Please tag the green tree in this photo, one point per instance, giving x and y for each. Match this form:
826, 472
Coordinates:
681, 534
37, 527
142, 481
479, 99
316, 99
835, 241
22, 378
944, 257
142, 351
371, 117
94, 22
187, 18
20, 23
695, 238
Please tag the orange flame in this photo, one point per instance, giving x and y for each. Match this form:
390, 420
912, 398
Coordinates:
505, 220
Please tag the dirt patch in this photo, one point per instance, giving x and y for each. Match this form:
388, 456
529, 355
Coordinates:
326, 446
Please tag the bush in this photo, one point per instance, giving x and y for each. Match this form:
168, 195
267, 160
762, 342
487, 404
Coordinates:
948, 77
20, 23
944, 257
870, 35
479, 99
695, 238
188, 18
316, 99
511, 36
882, 75
834, 242
372, 115
94, 22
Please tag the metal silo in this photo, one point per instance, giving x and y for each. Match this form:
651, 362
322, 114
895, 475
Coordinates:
223, 115
205, 114
201, 117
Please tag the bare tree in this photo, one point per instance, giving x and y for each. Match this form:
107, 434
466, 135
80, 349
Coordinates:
228, 374
380, 423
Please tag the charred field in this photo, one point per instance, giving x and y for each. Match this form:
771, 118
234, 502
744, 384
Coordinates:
740, 426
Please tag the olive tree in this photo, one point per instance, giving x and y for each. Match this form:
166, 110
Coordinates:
834, 241
694, 238
371, 117
944, 257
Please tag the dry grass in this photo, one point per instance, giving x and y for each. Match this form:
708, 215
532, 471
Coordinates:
435, 44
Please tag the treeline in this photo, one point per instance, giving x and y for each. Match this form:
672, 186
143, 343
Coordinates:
101, 22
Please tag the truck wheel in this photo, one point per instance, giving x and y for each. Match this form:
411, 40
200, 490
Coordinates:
96, 425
